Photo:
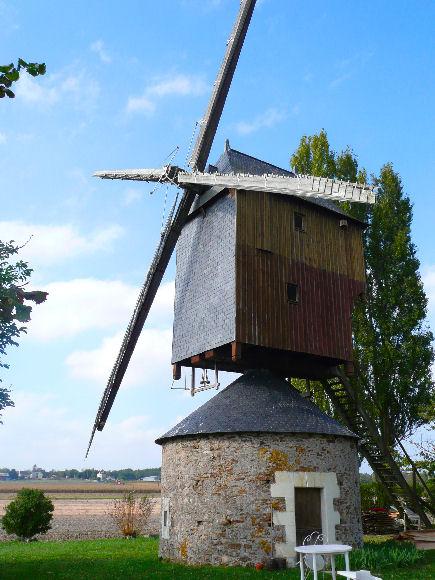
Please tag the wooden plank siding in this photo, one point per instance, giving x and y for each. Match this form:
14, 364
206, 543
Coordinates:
325, 261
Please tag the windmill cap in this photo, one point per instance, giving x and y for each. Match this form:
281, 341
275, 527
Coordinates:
257, 402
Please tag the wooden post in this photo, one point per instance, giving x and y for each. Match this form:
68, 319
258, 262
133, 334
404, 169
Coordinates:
236, 351
176, 371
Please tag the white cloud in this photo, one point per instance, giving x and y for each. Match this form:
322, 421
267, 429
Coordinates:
176, 85
16, 137
90, 304
52, 244
131, 439
140, 105
349, 66
99, 49
340, 79
74, 87
268, 119
148, 366
41, 429
31, 90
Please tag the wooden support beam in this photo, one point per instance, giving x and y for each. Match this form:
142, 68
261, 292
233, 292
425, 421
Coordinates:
349, 369
236, 351
209, 354
176, 372
195, 359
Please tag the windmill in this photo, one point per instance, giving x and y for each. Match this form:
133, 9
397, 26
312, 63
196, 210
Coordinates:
275, 288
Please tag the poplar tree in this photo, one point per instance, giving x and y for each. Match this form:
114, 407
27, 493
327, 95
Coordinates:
393, 350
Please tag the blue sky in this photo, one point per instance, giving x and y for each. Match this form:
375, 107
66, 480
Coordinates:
125, 84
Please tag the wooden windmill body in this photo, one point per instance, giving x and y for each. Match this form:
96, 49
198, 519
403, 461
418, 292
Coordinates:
268, 270
266, 280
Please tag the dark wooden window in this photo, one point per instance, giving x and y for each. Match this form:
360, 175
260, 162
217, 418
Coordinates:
308, 512
293, 293
299, 221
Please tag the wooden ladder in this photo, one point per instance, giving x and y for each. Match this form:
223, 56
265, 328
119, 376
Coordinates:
379, 457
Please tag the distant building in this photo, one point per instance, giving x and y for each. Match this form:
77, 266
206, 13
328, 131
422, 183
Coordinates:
24, 474
36, 473
151, 478
4, 475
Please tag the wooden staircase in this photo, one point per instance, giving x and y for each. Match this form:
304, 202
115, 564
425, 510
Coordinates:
379, 457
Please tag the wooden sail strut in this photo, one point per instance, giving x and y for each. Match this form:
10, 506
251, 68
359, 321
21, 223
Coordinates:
175, 222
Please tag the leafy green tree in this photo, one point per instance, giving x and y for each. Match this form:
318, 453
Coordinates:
392, 343
29, 514
314, 156
72, 473
88, 474
14, 307
5, 400
12, 296
13, 474
10, 73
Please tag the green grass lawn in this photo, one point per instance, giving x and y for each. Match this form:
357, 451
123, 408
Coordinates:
121, 559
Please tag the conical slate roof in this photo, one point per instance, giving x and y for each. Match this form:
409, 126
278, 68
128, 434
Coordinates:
257, 402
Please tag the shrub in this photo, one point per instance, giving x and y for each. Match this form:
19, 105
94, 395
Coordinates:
131, 514
30, 513
373, 495
388, 554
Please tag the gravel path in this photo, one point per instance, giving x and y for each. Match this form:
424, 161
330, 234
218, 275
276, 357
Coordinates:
83, 519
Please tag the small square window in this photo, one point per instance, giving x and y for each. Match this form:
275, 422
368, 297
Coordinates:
299, 221
293, 293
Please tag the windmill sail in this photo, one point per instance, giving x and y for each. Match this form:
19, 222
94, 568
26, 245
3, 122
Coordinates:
175, 223
221, 87
298, 185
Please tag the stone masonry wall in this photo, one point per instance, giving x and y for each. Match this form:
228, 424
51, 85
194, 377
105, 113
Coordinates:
219, 494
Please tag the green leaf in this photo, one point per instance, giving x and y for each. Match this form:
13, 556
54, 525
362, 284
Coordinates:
37, 296
13, 75
10, 93
5, 81
6, 68
22, 312
33, 69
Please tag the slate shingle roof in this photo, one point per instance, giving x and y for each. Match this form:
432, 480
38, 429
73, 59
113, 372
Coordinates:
257, 402
233, 161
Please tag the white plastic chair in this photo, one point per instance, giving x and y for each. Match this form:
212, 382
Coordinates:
361, 575
412, 517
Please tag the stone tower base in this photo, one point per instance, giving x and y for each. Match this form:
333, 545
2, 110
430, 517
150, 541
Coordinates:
235, 475
228, 497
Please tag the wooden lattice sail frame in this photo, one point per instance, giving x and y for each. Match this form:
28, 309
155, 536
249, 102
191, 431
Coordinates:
307, 186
